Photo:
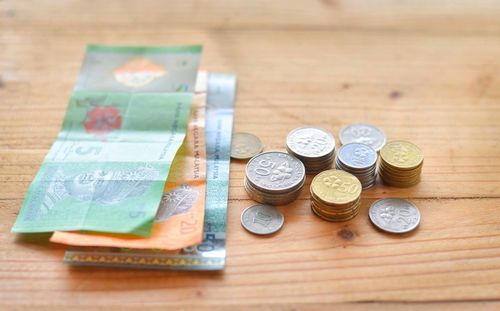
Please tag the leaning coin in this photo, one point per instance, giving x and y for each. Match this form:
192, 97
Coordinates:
262, 219
394, 215
245, 146
364, 134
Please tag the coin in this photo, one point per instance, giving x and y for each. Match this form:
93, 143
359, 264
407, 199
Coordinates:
334, 219
275, 172
359, 160
394, 215
400, 164
336, 187
314, 146
262, 219
275, 178
357, 155
335, 195
311, 142
363, 133
402, 154
245, 146
272, 199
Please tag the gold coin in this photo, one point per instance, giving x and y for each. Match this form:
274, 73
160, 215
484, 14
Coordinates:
399, 183
401, 154
335, 187
398, 177
335, 214
399, 173
334, 219
245, 146
384, 165
333, 207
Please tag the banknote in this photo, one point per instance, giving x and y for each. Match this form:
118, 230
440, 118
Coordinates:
107, 169
139, 69
179, 219
210, 254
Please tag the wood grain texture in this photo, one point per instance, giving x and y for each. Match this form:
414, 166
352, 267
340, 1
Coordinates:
425, 71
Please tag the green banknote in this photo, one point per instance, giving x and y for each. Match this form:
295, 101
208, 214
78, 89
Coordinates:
107, 169
211, 253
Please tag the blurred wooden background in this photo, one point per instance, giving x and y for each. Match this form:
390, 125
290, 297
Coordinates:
425, 71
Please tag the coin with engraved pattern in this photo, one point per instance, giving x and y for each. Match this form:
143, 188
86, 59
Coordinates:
275, 178
335, 195
310, 142
364, 134
245, 145
394, 215
359, 160
262, 219
336, 187
402, 154
400, 164
314, 146
275, 171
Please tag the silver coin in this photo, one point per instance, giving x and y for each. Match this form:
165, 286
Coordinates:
262, 219
394, 215
363, 133
245, 146
275, 171
271, 199
357, 155
359, 160
310, 142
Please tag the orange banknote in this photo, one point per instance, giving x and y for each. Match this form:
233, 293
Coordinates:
179, 220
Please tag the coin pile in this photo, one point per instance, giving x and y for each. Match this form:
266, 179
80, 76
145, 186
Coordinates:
359, 160
335, 195
274, 178
314, 146
400, 163
363, 133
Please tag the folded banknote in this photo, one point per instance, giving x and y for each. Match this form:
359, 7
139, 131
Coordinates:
125, 121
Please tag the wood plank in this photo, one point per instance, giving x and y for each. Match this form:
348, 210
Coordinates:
462, 16
452, 256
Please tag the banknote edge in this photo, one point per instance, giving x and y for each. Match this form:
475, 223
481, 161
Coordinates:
140, 49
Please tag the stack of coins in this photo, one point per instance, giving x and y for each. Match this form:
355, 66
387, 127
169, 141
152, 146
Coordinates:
274, 178
400, 163
314, 146
359, 160
335, 195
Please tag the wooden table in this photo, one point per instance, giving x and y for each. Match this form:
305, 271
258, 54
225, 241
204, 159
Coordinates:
425, 71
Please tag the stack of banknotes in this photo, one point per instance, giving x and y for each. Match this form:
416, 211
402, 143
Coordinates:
138, 175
